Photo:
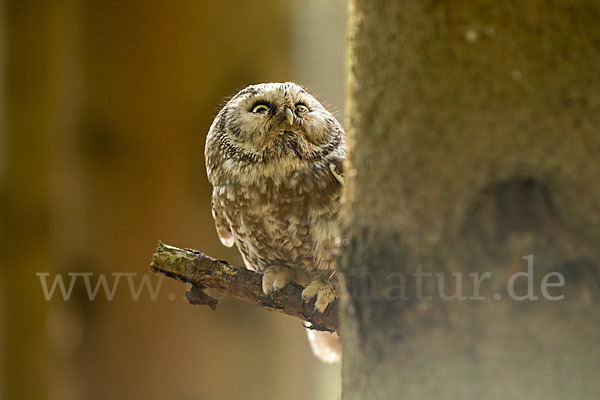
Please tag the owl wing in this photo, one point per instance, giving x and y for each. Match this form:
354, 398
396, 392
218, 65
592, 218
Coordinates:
336, 166
223, 228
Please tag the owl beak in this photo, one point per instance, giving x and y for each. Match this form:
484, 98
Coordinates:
289, 116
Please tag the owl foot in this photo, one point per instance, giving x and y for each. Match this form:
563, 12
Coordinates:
276, 278
324, 291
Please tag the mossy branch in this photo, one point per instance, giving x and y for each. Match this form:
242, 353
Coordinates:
204, 272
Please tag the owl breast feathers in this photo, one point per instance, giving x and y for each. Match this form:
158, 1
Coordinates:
274, 156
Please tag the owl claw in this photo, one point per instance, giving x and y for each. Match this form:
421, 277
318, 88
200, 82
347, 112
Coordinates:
314, 312
275, 294
274, 279
323, 291
304, 312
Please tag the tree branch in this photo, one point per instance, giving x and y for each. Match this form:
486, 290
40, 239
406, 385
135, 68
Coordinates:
205, 272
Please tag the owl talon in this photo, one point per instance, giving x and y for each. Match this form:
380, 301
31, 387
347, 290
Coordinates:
304, 312
314, 312
274, 279
323, 291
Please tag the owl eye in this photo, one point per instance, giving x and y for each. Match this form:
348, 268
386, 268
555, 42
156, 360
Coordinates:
260, 108
301, 108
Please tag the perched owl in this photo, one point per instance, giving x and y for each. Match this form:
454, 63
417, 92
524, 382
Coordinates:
274, 156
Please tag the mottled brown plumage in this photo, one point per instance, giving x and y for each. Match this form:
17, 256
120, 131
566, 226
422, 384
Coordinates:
274, 156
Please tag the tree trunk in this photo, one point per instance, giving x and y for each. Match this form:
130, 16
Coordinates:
473, 144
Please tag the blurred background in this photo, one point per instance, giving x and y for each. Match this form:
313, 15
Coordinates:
104, 110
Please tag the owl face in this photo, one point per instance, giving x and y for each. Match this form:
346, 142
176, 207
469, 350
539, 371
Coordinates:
272, 121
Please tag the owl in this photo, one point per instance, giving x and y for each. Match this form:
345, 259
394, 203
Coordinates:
274, 157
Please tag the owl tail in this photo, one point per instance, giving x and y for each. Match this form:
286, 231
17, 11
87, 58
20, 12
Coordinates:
325, 345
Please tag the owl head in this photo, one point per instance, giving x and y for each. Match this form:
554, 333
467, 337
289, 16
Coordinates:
270, 122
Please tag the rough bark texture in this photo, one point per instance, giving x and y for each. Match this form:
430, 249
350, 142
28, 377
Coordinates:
473, 142
203, 272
